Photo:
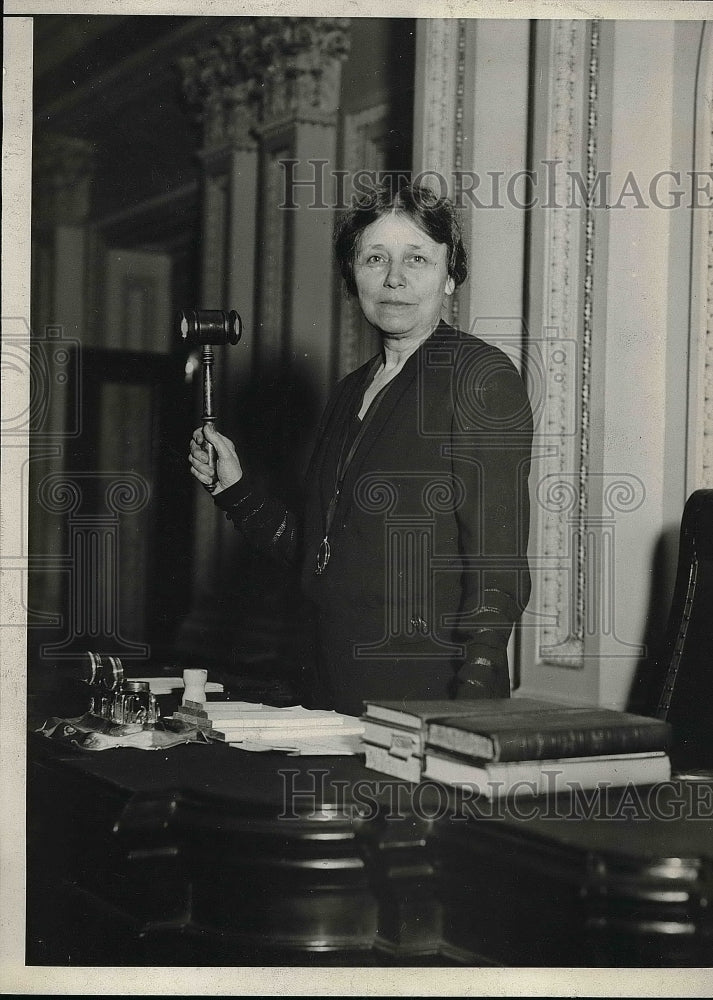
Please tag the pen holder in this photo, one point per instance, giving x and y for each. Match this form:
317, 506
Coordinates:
133, 704
194, 681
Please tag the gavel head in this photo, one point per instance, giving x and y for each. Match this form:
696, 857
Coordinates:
198, 327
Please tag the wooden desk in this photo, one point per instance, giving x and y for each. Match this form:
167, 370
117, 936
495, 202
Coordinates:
205, 855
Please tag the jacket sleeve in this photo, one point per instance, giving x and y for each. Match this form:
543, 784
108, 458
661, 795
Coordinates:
266, 523
491, 442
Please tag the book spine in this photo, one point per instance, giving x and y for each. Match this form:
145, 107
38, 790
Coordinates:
543, 745
402, 742
379, 759
460, 741
576, 742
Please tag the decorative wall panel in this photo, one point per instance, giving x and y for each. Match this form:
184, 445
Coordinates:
562, 351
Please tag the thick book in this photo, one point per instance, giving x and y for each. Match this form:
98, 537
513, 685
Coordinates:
551, 733
547, 777
413, 714
402, 725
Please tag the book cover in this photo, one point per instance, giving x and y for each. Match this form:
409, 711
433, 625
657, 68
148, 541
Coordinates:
541, 777
415, 713
554, 733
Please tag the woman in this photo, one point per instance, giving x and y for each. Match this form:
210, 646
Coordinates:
413, 537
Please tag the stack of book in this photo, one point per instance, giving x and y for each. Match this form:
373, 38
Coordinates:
514, 745
255, 726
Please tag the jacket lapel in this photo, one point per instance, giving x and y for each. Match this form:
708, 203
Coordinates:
393, 406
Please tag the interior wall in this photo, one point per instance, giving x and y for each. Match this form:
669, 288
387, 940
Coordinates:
572, 137
628, 309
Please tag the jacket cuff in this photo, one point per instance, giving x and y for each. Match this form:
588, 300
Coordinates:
235, 494
484, 674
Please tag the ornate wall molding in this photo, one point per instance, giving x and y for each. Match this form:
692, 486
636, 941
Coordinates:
365, 134
700, 418
438, 125
570, 148
436, 131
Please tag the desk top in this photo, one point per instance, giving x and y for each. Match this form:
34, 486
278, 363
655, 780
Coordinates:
670, 819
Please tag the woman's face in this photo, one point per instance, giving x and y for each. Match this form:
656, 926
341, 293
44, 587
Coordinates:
401, 277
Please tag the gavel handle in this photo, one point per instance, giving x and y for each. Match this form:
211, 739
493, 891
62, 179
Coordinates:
212, 457
208, 411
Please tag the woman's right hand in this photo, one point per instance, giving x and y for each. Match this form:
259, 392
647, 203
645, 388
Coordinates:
225, 471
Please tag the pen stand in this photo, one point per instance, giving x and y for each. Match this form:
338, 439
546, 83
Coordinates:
108, 695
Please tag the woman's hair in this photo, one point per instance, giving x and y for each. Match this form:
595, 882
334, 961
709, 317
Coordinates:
436, 216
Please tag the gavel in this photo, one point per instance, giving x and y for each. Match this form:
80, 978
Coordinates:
205, 328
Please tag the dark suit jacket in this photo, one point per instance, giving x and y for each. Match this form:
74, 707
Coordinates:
428, 568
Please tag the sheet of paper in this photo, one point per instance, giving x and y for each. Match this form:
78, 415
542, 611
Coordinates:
166, 685
338, 744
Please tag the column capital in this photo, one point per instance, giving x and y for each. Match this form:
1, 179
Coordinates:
265, 71
221, 88
63, 168
302, 68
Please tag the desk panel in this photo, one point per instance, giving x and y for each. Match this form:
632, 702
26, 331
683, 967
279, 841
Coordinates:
206, 855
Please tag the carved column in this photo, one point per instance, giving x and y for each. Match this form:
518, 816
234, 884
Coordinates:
265, 90
300, 77
299, 67
62, 182
222, 96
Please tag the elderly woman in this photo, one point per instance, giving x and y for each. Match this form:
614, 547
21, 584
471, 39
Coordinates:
412, 541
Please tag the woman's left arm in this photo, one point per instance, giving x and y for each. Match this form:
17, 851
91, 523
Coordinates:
491, 448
